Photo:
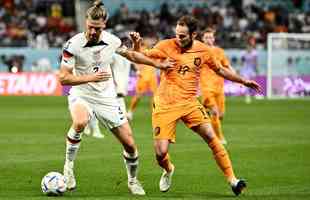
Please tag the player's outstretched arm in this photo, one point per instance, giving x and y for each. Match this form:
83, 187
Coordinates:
230, 75
140, 58
66, 77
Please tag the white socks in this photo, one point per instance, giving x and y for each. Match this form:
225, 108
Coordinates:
131, 162
72, 145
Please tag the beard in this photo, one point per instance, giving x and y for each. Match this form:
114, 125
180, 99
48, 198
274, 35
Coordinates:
187, 45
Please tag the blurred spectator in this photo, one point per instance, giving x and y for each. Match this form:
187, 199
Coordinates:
30, 22
14, 63
42, 65
43, 24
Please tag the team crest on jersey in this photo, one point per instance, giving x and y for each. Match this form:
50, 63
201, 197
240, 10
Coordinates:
157, 131
67, 45
197, 62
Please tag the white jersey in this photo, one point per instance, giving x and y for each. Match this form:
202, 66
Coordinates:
121, 68
84, 59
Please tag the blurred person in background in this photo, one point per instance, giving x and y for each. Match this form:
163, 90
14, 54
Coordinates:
146, 79
42, 65
14, 62
212, 88
249, 64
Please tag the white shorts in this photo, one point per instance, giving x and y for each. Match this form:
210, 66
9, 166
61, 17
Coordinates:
109, 113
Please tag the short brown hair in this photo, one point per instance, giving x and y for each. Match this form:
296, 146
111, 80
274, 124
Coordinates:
209, 30
97, 11
189, 21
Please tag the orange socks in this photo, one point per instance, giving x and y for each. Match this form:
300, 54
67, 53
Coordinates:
222, 159
164, 162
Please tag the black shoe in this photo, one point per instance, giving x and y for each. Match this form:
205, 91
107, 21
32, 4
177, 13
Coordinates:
241, 185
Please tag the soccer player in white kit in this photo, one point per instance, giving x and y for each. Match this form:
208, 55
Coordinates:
86, 67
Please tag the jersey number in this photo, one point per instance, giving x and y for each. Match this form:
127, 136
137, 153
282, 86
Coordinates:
95, 69
204, 113
183, 69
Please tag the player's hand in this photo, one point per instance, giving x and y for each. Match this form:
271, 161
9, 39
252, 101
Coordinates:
253, 85
101, 76
135, 37
168, 64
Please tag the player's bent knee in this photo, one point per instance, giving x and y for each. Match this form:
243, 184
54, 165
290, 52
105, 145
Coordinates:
130, 148
79, 125
161, 157
210, 134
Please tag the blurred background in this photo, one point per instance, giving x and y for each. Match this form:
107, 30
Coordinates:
32, 33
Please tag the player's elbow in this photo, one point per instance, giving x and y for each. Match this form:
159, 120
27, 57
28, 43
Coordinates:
62, 78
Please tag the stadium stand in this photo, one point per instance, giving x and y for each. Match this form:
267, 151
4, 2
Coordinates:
44, 24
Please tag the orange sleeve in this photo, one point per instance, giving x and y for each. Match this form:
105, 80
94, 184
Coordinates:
224, 60
157, 51
211, 61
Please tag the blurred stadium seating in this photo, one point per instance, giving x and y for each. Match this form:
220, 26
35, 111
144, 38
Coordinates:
49, 23
32, 32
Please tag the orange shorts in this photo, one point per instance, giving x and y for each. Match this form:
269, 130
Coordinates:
211, 99
164, 121
146, 85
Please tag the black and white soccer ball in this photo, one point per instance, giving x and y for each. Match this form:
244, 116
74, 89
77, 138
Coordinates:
53, 184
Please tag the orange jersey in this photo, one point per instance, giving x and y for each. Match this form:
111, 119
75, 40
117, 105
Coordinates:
146, 72
179, 85
146, 79
209, 80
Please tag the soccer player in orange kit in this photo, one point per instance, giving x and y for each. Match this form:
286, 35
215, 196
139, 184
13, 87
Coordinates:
175, 99
212, 88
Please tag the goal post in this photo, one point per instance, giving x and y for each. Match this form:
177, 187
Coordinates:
288, 65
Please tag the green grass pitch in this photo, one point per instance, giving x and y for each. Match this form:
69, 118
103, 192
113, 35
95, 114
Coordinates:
269, 144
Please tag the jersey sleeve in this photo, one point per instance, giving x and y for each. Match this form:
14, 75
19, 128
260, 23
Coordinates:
117, 42
114, 41
211, 61
157, 52
224, 60
68, 55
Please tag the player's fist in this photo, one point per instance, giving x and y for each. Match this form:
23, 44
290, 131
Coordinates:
167, 64
135, 37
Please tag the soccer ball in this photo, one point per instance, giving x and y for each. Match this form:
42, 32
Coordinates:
53, 184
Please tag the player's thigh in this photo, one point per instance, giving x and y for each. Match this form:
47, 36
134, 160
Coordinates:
164, 125
111, 115
79, 110
209, 99
196, 115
